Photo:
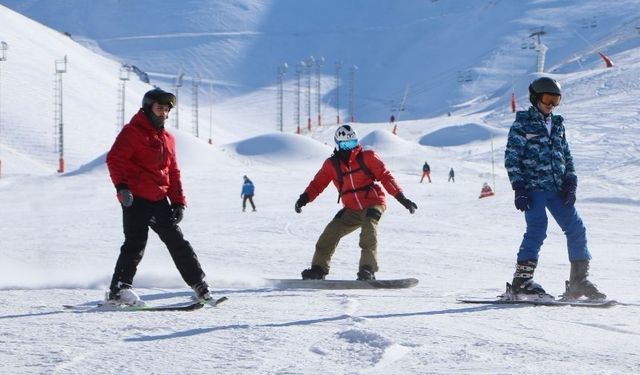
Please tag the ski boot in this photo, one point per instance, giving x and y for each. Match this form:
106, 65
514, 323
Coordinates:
202, 291
314, 273
366, 273
523, 287
578, 286
123, 294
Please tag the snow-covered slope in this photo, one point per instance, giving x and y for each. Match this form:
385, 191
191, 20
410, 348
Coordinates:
60, 234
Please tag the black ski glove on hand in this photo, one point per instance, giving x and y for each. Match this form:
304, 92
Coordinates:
522, 198
409, 205
569, 187
125, 197
301, 202
177, 213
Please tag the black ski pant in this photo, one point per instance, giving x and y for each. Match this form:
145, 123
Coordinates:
244, 202
137, 220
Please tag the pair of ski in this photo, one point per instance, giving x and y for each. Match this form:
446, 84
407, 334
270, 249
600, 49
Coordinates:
508, 298
105, 306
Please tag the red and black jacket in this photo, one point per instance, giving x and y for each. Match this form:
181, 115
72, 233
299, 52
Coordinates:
357, 185
144, 159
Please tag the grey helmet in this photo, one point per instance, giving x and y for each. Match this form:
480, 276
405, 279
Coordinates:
543, 85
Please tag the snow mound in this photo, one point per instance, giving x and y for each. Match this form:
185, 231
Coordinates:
386, 142
458, 135
280, 146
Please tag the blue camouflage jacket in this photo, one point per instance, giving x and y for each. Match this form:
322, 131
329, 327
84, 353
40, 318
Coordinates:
540, 160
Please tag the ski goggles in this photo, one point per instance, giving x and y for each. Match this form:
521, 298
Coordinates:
348, 145
550, 100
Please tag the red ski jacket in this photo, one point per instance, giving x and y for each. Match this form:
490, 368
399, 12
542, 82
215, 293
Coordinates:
359, 189
144, 159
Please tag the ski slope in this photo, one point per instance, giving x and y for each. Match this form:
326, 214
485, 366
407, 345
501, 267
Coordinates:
60, 234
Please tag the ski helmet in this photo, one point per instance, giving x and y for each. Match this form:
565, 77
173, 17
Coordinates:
541, 86
346, 137
159, 96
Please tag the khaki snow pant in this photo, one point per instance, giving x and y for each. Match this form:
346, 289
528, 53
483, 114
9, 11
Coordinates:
345, 222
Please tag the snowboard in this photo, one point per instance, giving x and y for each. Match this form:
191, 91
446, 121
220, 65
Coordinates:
342, 284
177, 307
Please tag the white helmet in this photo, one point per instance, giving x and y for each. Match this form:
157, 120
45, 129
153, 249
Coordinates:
346, 137
345, 133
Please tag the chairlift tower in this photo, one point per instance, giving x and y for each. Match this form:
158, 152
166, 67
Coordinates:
299, 71
3, 57
319, 64
282, 70
541, 49
61, 68
125, 71
309, 64
177, 84
352, 84
195, 84
338, 65
211, 113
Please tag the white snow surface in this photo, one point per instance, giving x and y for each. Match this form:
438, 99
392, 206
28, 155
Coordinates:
60, 233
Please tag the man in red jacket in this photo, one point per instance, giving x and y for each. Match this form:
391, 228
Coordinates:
354, 172
143, 167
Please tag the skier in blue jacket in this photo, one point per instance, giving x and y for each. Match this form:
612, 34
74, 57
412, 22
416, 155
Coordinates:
542, 174
247, 193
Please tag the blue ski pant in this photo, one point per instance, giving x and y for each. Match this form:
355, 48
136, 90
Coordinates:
567, 218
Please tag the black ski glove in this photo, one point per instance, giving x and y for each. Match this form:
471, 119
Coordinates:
125, 197
569, 187
409, 205
301, 202
177, 213
522, 199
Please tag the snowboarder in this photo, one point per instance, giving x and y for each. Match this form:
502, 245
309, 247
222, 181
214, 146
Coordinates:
452, 176
426, 171
542, 174
248, 190
354, 171
143, 167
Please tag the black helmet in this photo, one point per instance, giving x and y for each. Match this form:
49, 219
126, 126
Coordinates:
543, 85
158, 96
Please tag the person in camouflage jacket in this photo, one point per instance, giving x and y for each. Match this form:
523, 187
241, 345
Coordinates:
542, 174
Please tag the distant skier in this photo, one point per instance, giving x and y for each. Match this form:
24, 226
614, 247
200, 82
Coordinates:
354, 172
247, 193
426, 171
143, 167
452, 176
542, 174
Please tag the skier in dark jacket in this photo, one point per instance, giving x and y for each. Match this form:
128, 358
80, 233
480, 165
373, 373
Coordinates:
143, 167
452, 176
542, 174
354, 173
248, 190
426, 171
